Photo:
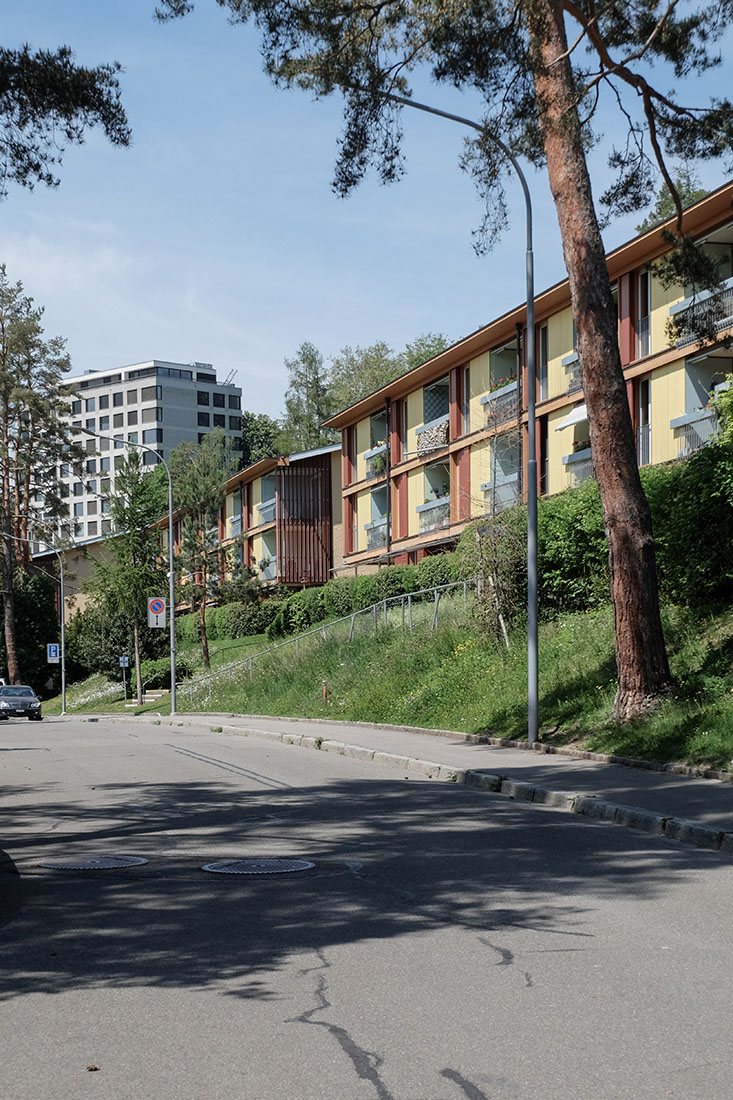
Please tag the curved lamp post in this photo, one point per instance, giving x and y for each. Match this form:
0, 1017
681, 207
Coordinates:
15, 538
171, 585
532, 634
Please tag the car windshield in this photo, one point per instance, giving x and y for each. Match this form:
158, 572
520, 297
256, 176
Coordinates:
19, 690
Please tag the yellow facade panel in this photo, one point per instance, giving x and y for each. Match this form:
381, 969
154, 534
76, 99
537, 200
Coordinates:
559, 346
363, 443
661, 300
478, 387
667, 400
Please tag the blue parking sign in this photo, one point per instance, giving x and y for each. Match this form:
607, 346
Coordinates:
52, 653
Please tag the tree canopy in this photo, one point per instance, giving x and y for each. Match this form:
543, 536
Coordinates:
48, 101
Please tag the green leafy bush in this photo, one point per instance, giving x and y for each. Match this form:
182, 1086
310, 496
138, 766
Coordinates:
211, 631
435, 570
156, 674
572, 553
188, 627
241, 620
338, 597
365, 591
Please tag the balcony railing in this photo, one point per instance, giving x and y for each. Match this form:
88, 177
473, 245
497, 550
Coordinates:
695, 435
235, 525
644, 444
376, 461
376, 533
434, 513
268, 570
579, 467
502, 405
266, 511
721, 303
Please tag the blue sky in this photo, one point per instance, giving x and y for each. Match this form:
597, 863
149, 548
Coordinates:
216, 236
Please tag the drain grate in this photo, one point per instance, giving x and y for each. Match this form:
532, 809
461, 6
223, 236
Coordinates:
90, 863
257, 866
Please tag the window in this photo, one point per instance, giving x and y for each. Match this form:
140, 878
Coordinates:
103, 402
235, 423
642, 314
235, 401
151, 393
64, 469
117, 399
203, 420
91, 508
132, 417
150, 458
91, 466
104, 485
104, 465
149, 416
132, 437
90, 446
202, 397
78, 489
220, 421
201, 436
119, 442
119, 459
153, 435
103, 445
92, 528
132, 397
92, 486
76, 408
79, 508
104, 506
106, 526
542, 361
118, 420
465, 377
218, 400
79, 529
91, 424
90, 405
104, 423
435, 400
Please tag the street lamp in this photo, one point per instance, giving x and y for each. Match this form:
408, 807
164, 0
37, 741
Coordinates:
532, 634
171, 586
15, 538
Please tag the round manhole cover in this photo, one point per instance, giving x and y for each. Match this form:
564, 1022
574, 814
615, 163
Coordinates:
257, 866
90, 863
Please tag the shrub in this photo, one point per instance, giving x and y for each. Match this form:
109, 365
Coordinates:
240, 620
436, 569
157, 673
572, 553
188, 627
338, 597
211, 631
365, 591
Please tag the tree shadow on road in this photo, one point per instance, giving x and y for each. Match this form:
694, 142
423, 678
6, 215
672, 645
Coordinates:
391, 857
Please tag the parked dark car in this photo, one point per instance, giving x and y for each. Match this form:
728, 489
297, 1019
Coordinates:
19, 701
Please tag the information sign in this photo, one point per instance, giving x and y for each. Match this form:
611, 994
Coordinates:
52, 653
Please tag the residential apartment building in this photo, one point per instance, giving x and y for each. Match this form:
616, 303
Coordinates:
447, 442
282, 518
157, 403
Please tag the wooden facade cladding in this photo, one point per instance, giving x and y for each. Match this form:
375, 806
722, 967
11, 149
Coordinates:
304, 521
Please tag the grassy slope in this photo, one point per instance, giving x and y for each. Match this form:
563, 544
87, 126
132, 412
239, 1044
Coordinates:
454, 678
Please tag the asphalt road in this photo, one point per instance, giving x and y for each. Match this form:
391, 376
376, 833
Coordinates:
446, 945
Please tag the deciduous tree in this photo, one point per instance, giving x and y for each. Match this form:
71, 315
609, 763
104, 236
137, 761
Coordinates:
540, 68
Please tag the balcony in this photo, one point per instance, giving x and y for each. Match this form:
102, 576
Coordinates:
266, 511
502, 404
433, 435
501, 494
434, 513
376, 461
696, 430
268, 569
377, 533
579, 467
235, 526
572, 373
721, 303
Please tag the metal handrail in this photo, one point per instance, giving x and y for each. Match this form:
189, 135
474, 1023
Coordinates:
373, 610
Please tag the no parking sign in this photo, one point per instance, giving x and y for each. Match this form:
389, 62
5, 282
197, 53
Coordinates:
156, 611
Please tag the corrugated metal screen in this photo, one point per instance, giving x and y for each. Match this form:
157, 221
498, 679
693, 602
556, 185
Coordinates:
305, 528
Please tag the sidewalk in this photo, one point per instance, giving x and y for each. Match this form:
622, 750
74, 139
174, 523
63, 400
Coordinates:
692, 810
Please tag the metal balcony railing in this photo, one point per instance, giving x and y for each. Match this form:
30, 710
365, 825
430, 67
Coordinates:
644, 444
434, 514
376, 462
376, 534
721, 304
266, 511
696, 435
502, 405
268, 572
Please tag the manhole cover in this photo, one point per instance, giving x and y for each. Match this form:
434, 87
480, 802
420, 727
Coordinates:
90, 863
257, 866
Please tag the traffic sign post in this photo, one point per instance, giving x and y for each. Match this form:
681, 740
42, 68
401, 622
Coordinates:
52, 653
156, 611
124, 663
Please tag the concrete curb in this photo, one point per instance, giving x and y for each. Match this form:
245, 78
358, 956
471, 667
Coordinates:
592, 806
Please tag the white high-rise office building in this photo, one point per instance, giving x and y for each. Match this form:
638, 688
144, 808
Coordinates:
157, 403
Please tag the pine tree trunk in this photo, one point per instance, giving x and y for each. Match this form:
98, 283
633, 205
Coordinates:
11, 653
643, 670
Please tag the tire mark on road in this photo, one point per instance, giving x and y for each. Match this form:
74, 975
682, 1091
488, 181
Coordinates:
228, 766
